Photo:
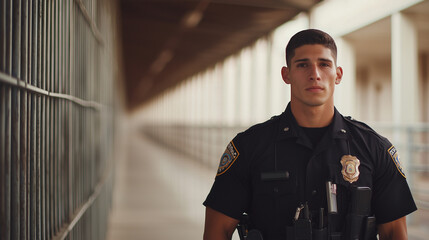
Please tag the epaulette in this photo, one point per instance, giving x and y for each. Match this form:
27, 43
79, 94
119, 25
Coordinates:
262, 125
363, 126
358, 124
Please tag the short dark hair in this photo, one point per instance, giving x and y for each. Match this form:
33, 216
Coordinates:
309, 37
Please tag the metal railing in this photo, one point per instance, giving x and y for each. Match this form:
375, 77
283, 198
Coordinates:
412, 142
207, 143
56, 118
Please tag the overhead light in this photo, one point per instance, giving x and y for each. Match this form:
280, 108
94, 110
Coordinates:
163, 58
192, 19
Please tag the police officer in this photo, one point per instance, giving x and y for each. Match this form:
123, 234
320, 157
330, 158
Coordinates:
274, 169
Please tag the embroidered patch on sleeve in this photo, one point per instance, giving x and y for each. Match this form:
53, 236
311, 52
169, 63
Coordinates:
395, 157
228, 158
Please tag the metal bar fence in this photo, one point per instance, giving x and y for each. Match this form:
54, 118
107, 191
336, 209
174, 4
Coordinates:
57, 69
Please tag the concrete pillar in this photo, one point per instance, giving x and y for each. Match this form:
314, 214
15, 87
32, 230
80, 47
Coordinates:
245, 87
424, 75
404, 70
268, 77
228, 91
217, 77
404, 82
345, 92
279, 92
259, 81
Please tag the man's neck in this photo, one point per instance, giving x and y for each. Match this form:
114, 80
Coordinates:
313, 117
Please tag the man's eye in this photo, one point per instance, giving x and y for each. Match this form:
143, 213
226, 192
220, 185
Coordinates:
325, 65
302, 65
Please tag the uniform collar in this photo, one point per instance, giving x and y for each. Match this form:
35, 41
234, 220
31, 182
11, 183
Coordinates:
289, 128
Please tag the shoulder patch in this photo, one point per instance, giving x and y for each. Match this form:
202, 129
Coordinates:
228, 158
395, 157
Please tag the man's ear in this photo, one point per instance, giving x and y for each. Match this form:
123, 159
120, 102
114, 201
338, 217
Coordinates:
285, 75
339, 75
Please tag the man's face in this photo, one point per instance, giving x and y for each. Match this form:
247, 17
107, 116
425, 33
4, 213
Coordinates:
312, 75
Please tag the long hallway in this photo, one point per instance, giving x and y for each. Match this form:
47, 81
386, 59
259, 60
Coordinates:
158, 193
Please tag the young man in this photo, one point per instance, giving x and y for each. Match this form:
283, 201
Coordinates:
310, 171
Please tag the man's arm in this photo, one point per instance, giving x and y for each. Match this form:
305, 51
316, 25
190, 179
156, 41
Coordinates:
394, 230
218, 226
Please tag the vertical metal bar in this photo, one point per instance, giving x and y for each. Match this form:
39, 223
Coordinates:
49, 169
5, 162
63, 118
3, 35
62, 159
55, 113
16, 47
37, 33
70, 109
15, 174
24, 41
49, 222
55, 118
60, 47
23, 122
5, 108
16, 39
33, 180
43, 155
33, 159
79, 150
37, 223
73, 113
32, 26
23, 166
8, 16
43, 167
53, 164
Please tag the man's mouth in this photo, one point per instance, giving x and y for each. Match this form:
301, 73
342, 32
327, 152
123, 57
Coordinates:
315, 89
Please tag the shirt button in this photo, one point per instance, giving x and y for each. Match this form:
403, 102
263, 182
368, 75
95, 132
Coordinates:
276, 189
343, 131
314, 192
286, 129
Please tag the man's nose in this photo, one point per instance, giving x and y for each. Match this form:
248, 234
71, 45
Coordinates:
314, 72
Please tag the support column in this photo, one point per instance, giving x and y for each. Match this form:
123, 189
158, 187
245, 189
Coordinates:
345, 92
404, 84
259, 81
245, 87
228, 91
404, 70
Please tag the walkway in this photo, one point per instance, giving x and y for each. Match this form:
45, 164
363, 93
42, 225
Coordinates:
159, 193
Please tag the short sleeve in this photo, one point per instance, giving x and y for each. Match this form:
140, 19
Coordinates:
392, 196
230, 191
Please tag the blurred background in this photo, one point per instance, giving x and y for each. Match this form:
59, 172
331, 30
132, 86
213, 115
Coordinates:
114, 114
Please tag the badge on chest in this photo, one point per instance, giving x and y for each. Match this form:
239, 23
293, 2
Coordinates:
350, 168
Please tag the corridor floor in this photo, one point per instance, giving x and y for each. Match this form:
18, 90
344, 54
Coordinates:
158, 194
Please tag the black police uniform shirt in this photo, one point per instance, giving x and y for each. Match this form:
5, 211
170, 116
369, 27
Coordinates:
279, 145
